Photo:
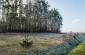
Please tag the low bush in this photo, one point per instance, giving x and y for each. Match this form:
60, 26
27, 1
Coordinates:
27, 42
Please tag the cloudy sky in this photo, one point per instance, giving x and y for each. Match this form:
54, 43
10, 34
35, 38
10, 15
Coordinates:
73, 13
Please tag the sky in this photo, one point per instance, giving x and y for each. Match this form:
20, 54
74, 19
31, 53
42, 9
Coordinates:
73, 13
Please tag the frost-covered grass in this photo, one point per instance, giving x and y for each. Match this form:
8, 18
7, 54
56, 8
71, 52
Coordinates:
79, 50
11, 45
46, 43
68, 44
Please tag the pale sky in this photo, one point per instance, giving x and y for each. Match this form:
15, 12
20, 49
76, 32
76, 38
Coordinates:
73, 13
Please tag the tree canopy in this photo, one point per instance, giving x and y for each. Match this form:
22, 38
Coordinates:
18, 16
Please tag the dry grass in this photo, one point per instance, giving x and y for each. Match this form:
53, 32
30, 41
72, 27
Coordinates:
11, 45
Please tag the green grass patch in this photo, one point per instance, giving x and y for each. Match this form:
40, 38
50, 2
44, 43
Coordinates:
79, 50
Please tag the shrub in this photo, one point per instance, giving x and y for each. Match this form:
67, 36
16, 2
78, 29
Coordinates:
27, 42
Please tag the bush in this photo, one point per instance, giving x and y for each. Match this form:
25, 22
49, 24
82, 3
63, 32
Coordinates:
27, 42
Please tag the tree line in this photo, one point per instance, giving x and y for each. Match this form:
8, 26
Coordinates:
18, 16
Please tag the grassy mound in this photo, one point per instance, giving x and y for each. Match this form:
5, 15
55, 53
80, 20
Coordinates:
79, 50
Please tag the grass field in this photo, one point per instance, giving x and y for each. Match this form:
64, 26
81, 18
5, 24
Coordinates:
11, 45
79, 50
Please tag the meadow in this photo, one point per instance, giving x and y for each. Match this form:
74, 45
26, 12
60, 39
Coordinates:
11, 45
43, 43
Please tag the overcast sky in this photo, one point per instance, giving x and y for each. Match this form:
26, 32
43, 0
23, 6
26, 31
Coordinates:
73, 13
